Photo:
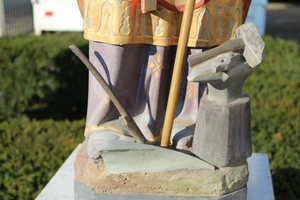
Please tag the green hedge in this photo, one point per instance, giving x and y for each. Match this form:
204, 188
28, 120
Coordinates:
275, 107
44, 87
40, 72
45, 91
31, 153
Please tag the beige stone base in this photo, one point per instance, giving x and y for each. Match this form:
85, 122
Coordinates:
181, 182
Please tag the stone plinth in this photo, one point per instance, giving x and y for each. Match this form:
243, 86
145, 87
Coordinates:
223, 131
83, 192
62, 186
202, 183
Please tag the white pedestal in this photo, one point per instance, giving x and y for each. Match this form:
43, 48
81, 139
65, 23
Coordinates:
259, 186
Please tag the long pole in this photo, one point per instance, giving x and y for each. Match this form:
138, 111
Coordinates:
177, 72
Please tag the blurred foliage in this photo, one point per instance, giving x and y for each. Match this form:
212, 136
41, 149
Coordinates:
45, 90
40, 72
32, 151
42, 120
275, 109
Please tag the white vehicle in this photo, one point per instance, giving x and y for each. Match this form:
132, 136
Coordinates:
56, 15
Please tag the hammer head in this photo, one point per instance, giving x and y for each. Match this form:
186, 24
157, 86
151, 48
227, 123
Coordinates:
254, 44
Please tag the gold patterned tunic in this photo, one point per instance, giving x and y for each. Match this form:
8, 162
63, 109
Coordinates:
122, 22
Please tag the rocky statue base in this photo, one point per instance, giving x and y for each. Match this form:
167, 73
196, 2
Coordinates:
84, 192
216, 183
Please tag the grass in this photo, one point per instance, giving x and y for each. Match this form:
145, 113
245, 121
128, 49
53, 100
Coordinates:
275, 107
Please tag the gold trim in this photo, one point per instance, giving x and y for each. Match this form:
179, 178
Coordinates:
104, 127
157, 66
192, 90
183, 123
156, 138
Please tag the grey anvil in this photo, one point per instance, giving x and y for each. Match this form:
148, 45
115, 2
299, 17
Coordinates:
226, 67
225, 75
123, 157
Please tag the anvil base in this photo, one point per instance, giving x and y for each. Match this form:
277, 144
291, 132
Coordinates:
223, 131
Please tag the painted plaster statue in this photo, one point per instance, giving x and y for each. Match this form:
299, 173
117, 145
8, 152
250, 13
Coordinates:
215, 167
133, 49
134, 52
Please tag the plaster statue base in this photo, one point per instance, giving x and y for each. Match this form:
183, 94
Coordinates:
207, 182
84, 192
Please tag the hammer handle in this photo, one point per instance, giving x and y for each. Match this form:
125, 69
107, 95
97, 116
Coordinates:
235, 45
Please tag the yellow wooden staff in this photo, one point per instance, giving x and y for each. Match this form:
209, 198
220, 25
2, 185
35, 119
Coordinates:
177, 72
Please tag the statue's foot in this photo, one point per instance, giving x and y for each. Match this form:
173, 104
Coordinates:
98, 138
182, 135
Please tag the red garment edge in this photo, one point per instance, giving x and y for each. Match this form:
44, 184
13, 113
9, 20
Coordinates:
180, 8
